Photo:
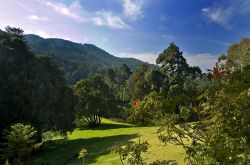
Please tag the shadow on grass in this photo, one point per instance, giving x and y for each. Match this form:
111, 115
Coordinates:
106, 126
65, 151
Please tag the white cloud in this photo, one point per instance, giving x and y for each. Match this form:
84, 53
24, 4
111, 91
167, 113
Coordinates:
203, 60
144, 56
37, 18
219, 15
72, 11
107, 18
133, 8
224, 13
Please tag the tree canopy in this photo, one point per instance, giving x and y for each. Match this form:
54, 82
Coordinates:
32, 89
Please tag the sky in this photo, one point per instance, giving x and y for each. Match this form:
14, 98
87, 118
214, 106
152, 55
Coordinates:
203, 29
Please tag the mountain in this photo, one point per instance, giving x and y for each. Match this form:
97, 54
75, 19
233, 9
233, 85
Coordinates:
77, 60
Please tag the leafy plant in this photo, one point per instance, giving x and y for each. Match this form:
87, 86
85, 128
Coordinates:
82, 154
133, 154
20, 143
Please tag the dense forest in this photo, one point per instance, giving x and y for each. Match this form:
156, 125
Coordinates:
78, 60
206, 114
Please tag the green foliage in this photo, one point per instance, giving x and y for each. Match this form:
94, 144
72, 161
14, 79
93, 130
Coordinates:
171, 60
176, 83
132, 152
32, 89
238, 55
155, 79
82, 154
176, 70
48, 136
95, 100
137, 84
116, 80
150, 109
221, 134
20, 143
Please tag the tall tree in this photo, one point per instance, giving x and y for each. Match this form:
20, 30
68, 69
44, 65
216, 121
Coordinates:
95, 100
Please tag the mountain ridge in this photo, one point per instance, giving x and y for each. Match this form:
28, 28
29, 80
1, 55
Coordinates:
78, 60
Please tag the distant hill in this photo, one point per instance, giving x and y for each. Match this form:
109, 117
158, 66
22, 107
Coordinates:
78, 60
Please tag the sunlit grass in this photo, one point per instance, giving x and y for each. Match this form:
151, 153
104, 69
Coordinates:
99, 142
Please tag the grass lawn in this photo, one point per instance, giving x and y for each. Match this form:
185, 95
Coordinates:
99, 142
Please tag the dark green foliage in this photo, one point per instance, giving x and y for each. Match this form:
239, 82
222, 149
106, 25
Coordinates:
14, 31
32, 90
116, 79
176, 84
155, 79
20, 143
95, 100
181, 81
137, 84
78, 60
176, 69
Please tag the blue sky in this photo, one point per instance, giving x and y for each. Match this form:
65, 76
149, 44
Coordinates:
203, 29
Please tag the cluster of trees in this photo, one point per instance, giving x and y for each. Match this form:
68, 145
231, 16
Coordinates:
33, 91
206, 114
164, 89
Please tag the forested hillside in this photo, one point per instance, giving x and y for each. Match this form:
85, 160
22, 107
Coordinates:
78, 60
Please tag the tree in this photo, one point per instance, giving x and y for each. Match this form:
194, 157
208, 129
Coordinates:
180, 81
238, 55
95, 99
171, 60
20, 143
137, 84
14, 31
175, 66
